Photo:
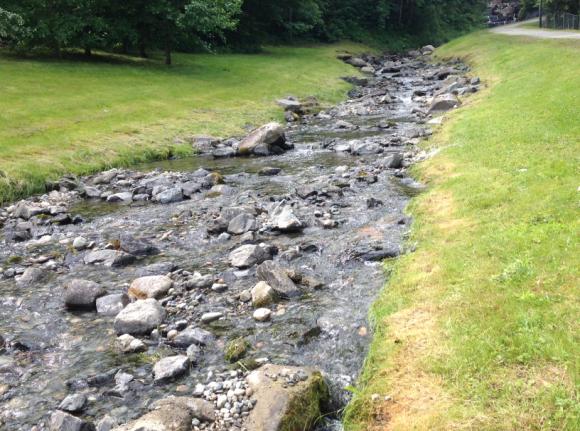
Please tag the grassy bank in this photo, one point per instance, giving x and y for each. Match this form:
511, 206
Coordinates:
78, 116
478, 329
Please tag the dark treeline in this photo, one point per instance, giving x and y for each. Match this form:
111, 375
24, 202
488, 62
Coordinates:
141, 26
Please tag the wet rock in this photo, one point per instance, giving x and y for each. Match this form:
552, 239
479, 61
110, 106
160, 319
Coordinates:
80, 243
136, 246
444, 102
236, 349
277, 278
193, 353
153, 286
192, 335
211, 317
249, 255
198, 281
30, 276
266, 140
199, 409
92, 192
129, 344
284, 220
110, 258
395, 161
262, 294
61, 421
282, 406
123, 197
160, 268
290, 104
168, 196
73, 403
140, 317
356, 62
427, 50
223, 152
262, 314
361, 148
106, 423
269, 171
374, 203
170, 367
26, 211
82, 294
242, 223
111, 305
190, 188
342, 124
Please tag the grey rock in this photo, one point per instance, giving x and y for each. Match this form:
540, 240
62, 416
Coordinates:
198, 281
61, 421
249, 255
444, 102
170, 367
140, 317
223, 152
192, 335
284, 219
211, 316
262, 294
136, 246
193, 352
30, 276
106, 423
128, 344
242, 223
26, 211
110, 258
361, 148
82, 294
269, 171
277, 277
160, 268
73, 403
190, 188
266, 140
111, 305
168, 196
356, 62
123, 197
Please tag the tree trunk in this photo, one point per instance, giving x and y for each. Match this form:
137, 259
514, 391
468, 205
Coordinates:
88, 52
401, 12
168, 53
142, 51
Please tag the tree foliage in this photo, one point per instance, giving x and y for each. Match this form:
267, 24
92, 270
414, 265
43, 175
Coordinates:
143, 25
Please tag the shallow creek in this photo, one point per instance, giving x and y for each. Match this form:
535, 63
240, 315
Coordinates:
50, 350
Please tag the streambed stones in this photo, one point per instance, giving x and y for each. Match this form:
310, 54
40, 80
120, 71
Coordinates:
140, 317
82, 294
152, 286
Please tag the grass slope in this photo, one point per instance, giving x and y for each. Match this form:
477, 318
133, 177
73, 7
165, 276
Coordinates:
78, 116
479, 328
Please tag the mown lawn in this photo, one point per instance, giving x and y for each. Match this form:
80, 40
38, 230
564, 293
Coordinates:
77, 116
479, 328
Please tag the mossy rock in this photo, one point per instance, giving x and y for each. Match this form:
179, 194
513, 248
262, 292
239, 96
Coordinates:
236, 349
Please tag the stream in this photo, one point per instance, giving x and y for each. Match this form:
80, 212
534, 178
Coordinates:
344, 184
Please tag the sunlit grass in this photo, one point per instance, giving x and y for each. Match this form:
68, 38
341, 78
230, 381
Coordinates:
478, 330
75, 116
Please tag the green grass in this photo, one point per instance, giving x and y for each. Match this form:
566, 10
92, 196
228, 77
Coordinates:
479, 328
76, 116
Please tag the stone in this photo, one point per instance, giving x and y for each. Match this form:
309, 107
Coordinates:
236, 349
170, 367
152, 286
111, 305
248, 255
136, 246
265, 140
73, 403
193, 353
128, 344
190, 188
262, 314
62, 421
123, 197
111, 258
106, 423
82, 294
269, 171
428, 49
26, 211
395, 161
362, 148
444, 102
30, 276
168, 196
200, 409
286, 407
192, 335
277, 277
223, 152
211, 317
80, 243
262, 294
242, 223
92, 192
140, 317
160, 268
368, 69
290, 104
284, 220
198, 281
356, 62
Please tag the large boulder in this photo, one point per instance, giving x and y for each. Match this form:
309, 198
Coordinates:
242, 223
444, 102
249, 255
288, 398
171, 414
152, 286
265, 140
140, 317
61, 421
277, 278
82, 294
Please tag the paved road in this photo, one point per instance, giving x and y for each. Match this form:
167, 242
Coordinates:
517, 30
